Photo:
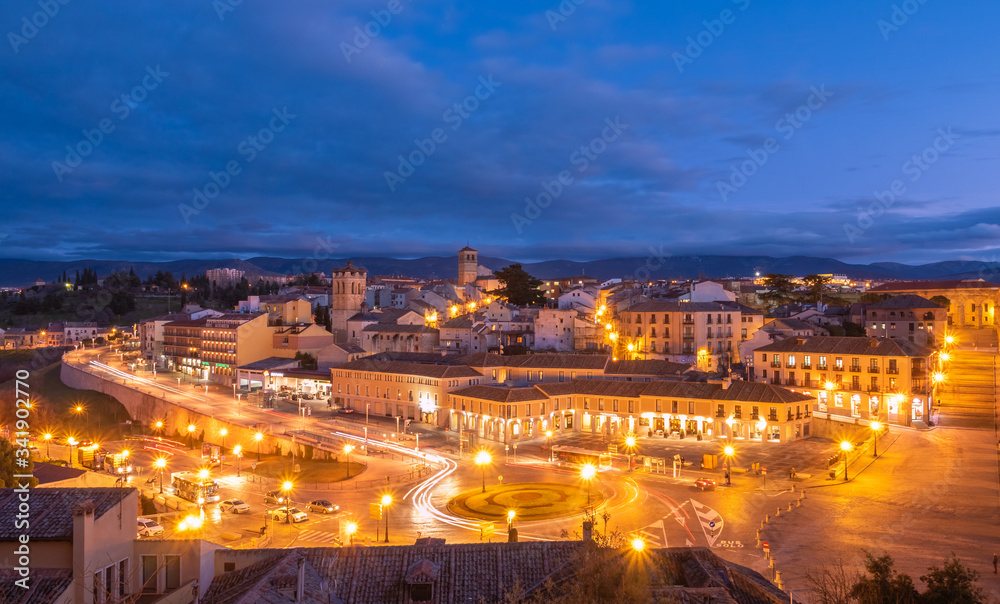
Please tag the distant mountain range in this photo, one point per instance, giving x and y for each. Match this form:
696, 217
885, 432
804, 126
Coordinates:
18, 272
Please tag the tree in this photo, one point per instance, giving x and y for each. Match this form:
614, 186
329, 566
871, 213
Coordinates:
518, 287
952, 584
779, 289
815, 283
945, 302
10, 461
885, 585
853, 330
832, 584
306, 360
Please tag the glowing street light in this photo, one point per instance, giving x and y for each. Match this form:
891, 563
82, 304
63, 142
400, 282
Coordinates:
238, 452
630, 445
846, 448
72, 442
347, 451
258, 437
351, 529
483, 459
159, 427
47, 437
830, 386
945, 356
548, 435
191, 429
286, 488
587, 473
938, 377
949, 340
638, 544
159, 464
729, 451
386, 502
223, 432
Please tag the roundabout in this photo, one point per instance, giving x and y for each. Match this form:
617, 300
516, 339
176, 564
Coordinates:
530, 501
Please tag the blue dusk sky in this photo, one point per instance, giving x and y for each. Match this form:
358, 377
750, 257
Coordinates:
167, 130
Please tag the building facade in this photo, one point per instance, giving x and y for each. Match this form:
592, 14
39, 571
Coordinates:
909, 318
348, 294
468, 266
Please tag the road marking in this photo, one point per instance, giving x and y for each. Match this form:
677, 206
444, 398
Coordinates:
656, 532
321, 536
710, 520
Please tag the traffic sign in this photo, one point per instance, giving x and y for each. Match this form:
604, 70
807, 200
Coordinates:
486, 529
253, 465
711, 524
375, 511
766, 545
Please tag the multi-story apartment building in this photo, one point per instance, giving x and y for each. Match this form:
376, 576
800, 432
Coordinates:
223, 277
211, 348
853, 379
689, 331
75, 331
737, 410
909, 318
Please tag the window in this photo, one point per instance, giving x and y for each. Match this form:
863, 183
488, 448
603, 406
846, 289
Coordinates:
527, 410
615, 405
562, 376
822, 363
228, 567
122, 577
838, 363
421, 592
673, 406
721, 411
659, 406
586, 402
149, 574
631, 406
600, 404
791, 361
690, 407
172, 579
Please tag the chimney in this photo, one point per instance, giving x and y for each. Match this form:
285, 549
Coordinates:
83, 533
300, 584
726, 382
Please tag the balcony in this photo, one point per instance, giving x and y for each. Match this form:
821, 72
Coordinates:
821, 368
776, 381
807, 366
738, 415
838, 367
755, 417
720, 414
874, 388
810, 383
791, 365
873, 369
791, 382
774, 417
687, 321
892, 370
918, 372
856, 368
776, 364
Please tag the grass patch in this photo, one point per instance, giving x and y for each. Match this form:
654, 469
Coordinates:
312, 470
530, 501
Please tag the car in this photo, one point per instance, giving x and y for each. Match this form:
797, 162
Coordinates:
298, 515
705, 484
345, 410
236, 506
322, 506
148, 528
274, 497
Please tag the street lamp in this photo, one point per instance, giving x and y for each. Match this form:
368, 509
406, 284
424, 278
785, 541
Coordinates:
258, 437
729, 451
483, 459
350, 529
223, 432
160, 463
587, 473
80, 409
510, 520
638, 544
72, 442
238, 452
159, 427
286, 488
548, 435
47, 437
630, 445
876, 428
846, 448
191, 428
386, 502
347, 451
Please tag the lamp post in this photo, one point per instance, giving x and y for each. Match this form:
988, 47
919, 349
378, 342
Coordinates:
347, 451
483, 459
238, 452
159, 428
191, 428
630, 445
258, 437
729, 452
160, 463
386, 502
223, 432
72, 442
876, 428
47, 437
548, 435
587, 473
286, 488
846, 448
350, 529
510, 520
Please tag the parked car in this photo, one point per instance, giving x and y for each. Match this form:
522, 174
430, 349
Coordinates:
705, 484
345, 410
307, 396
322, 506
297, 514
148, 528
236, 506
274, 497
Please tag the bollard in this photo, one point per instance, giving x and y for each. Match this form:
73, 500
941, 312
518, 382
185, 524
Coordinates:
770, 562
758, 537
798, 502
789, 506
793, 487
777, 513
803, 494
767, 518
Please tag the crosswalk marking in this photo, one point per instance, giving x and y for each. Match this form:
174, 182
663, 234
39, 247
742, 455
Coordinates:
321, 536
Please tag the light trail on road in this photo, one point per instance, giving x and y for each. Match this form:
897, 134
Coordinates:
145, 381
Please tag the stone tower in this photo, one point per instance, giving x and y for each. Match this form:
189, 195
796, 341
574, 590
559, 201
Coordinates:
468, 266
348, 295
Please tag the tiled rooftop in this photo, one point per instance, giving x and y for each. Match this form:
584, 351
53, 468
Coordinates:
52, 510
887, 347
46, 585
